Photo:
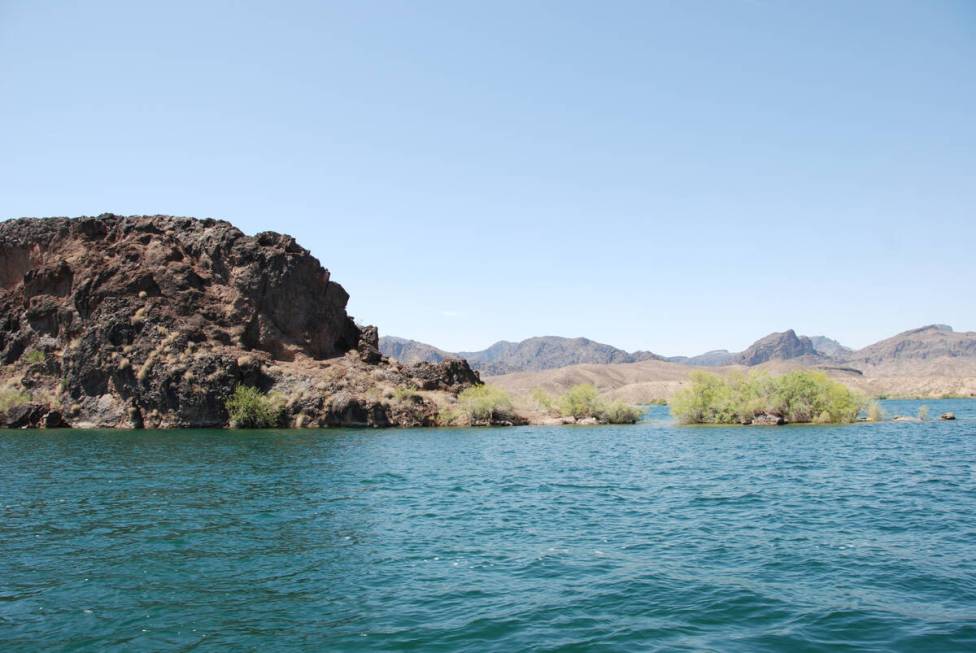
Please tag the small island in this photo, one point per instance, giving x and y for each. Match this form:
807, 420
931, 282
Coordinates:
798, 397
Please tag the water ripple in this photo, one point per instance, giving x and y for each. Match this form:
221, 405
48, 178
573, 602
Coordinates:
649, 538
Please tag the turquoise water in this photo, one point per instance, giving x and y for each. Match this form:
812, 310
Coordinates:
649, 537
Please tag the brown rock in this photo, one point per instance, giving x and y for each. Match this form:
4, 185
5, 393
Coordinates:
369, 345
23, 416
153, 320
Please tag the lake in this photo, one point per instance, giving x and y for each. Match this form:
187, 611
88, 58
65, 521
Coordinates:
612, 538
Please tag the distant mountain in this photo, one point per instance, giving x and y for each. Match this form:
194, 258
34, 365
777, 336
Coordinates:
504, 357
830, 347
932, 361
783, 345
923, 344
714, 358
411, 351
919, 352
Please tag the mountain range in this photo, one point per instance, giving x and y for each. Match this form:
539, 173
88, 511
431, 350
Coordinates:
933, 360
552, 352
504, 357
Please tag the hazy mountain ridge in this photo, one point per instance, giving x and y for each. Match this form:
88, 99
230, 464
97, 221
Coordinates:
410, 351
829, 347
553, 352
708, 359
505, 357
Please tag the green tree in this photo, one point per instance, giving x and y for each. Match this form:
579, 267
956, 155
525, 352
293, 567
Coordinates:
580, 401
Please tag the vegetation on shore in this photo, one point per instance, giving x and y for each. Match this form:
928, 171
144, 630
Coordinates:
488, 404
480, 405
249, 408
583, 402
801, 396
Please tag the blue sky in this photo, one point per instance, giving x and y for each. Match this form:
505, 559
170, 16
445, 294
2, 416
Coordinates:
673, 176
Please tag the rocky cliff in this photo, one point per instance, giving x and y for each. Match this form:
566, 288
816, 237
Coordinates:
154, 320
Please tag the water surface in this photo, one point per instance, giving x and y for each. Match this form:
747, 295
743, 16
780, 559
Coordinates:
650, 537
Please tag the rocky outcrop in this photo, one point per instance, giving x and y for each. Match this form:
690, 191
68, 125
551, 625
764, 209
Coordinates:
152, 321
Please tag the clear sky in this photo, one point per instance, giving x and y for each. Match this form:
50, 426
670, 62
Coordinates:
673, 176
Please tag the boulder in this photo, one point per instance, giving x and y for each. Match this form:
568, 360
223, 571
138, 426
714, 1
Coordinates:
452, 374
369, 345
947, 416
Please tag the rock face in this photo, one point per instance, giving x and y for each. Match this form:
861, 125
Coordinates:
777, 346
153, 320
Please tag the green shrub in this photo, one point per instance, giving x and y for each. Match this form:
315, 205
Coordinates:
543, 399
580, 401
709, 400
802, 396
10, 398
617, 412
799, 396
35, 356
249, 408
481, 405
583, 401
923, 412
